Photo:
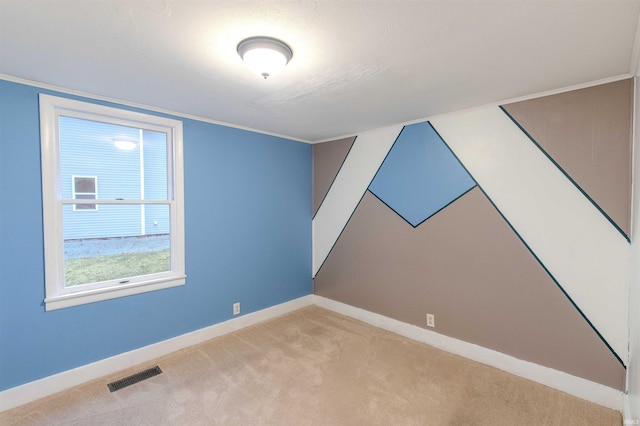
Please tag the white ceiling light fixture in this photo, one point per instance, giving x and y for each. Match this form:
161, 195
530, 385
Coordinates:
265, 56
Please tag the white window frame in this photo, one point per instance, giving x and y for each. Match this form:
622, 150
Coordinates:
95, 193
57, 295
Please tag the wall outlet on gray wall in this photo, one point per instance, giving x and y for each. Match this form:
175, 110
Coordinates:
431, 320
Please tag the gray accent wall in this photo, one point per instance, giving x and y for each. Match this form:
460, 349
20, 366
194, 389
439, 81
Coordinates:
587, 132
327, 159
466, 266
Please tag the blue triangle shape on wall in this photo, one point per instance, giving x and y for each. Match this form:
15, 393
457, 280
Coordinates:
420, 176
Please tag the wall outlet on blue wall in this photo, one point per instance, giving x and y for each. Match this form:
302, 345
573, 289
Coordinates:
236, 308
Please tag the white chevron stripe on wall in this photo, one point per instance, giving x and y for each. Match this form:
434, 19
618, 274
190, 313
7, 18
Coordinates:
367, 154
583, 251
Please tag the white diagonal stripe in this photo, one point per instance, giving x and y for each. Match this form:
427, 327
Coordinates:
365, 157
576, 243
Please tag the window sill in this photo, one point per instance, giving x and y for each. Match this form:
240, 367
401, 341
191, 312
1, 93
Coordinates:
90, 296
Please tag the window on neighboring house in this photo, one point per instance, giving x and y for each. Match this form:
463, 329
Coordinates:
133, 241
84, 188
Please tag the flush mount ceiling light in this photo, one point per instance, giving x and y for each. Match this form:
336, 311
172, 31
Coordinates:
265, 56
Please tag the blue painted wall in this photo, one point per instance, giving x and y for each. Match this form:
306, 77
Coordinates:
247, 236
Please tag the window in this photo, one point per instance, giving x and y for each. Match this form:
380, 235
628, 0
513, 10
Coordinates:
128, 238
84, 188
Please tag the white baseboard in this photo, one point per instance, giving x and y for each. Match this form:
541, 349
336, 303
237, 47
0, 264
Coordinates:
581, 388
626, 407
37, 389
576, 386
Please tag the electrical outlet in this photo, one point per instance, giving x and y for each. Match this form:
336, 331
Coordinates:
431, 320
236, 308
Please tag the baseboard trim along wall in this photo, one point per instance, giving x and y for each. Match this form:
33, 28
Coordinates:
37, 389
627, 415
576, 386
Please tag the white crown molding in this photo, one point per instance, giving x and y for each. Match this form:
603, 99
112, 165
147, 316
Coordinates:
142, 106
502, 102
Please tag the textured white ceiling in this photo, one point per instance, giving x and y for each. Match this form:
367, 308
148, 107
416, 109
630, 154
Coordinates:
357, 65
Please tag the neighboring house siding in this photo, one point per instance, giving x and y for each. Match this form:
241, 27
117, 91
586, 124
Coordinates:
156, 220
88, 150
155, 182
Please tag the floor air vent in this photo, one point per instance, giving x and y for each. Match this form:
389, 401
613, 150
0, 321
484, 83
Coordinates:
133, 379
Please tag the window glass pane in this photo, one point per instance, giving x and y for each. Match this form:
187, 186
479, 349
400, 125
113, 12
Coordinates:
154, 154
85, 207
85, 197
97, 248
85, 184
130, 163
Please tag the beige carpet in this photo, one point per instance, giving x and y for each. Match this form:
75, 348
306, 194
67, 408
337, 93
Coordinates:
314, 367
